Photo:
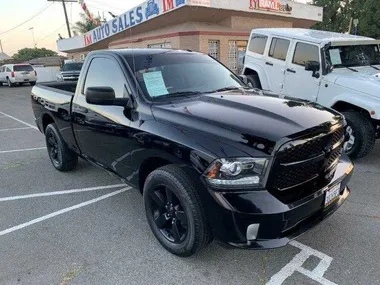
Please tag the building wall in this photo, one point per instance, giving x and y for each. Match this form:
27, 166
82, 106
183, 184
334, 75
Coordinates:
249, 23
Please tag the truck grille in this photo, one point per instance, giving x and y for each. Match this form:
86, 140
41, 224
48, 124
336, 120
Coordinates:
303, 166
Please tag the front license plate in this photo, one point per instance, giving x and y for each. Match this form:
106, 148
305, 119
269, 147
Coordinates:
332, 194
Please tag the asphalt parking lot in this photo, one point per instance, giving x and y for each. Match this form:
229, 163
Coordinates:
86, 227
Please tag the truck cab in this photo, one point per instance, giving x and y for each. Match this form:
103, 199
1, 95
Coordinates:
338, 71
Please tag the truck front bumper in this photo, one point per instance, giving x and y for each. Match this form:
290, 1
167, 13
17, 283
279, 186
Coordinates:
258, 220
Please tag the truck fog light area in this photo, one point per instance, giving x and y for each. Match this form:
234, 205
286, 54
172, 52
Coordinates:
252, 231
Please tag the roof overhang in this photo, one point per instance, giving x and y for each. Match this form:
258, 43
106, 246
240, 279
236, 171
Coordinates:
162, 9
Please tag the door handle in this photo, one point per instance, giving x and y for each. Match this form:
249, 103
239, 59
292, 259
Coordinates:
269, 63
290, 70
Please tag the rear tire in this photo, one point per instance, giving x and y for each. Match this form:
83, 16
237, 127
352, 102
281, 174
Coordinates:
32, 83
254, 81
162, 211
362, 134
10, 84
62, 158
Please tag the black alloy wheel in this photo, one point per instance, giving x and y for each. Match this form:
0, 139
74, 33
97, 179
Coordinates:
168, 214
63, 158
53, 149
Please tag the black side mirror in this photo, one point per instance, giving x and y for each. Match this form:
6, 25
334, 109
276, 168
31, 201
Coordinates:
313, 66
244, 79
104, 96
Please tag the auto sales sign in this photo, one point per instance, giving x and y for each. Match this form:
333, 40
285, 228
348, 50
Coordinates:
131, 18
270, 5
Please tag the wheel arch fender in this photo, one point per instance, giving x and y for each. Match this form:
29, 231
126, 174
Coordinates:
349, 101
256, 69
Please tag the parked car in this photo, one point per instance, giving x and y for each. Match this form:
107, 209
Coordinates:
212, 157
335, 70
12, 74
70, 71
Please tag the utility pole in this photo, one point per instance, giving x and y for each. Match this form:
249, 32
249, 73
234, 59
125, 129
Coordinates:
67, 19
65, 12
34, 41
1, 46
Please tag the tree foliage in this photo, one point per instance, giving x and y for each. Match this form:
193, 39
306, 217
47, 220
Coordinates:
85, 24
30, 53
337, 15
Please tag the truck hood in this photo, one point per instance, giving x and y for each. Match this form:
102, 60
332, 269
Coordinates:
366, 80
239, 119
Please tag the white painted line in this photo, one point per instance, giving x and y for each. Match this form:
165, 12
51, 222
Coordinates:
296, 265
60, 212
20, 121
19, 150
14, 129
12, 198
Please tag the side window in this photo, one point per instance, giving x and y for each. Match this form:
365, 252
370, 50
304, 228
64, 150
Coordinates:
104, 72
8, 69
279, 48
2, 69
305, 52
257, 43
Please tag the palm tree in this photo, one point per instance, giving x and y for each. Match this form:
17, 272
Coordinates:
85, 24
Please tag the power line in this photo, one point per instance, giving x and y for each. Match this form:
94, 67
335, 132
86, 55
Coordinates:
40, 40
35, 15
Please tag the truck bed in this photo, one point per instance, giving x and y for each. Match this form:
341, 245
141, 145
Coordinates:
62, 86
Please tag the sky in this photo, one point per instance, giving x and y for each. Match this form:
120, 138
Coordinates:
50, 22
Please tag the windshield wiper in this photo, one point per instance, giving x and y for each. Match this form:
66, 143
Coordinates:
350, 68
374, 67
229, 88
183, 94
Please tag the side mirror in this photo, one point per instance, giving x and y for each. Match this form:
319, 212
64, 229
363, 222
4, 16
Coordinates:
244, 79
313, 66
104, 96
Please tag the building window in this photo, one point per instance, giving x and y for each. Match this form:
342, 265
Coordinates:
161, 45
213, 48
236, 53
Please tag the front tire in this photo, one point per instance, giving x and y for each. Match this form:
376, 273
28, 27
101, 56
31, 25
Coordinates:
62, 158
361, 134
32, 83
254, 81
175, 212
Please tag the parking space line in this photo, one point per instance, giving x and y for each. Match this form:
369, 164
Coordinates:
14, 129
20, 121
12, 198
60, 212
19, 150
296, 265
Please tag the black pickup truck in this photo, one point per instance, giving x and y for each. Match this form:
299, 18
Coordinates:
213, 158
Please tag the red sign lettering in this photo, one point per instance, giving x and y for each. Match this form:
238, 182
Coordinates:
87, 40
168, 5
270, 5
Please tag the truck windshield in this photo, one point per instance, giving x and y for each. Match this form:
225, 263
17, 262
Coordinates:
181, 74
75, 66
356, 55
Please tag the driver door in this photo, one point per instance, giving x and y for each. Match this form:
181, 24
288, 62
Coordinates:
300, 83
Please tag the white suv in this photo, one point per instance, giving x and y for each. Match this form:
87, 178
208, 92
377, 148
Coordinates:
12, 74
335, 70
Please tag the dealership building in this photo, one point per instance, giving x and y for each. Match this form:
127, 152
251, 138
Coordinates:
220, 28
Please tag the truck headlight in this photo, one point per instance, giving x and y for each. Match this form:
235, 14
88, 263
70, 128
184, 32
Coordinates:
237, 172
59, 77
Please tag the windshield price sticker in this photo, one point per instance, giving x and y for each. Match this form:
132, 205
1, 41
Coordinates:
155, 84
335, 56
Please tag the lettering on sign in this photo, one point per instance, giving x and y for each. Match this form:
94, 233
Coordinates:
270, 5
131, 18
205, 3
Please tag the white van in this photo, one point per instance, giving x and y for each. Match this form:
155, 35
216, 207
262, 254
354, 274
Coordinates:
12, 74
335, 70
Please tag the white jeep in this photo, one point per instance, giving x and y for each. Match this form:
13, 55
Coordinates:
335, 70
